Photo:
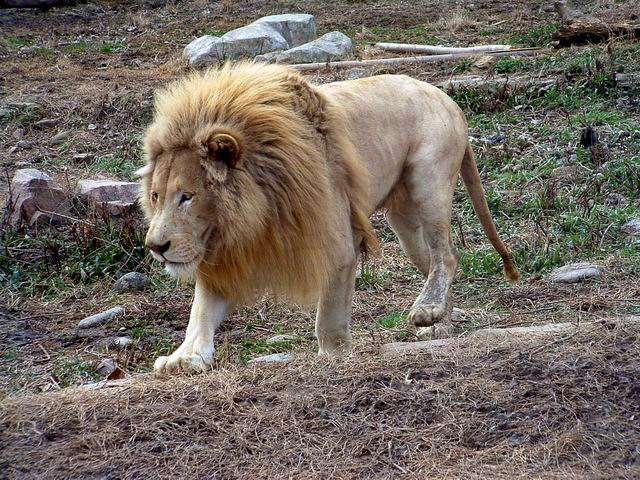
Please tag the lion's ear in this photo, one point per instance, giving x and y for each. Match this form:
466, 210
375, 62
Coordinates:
224, 148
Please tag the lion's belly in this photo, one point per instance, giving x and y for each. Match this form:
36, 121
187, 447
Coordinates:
390, 117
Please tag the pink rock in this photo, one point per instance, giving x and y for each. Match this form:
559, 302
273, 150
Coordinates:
117, 197
33, 191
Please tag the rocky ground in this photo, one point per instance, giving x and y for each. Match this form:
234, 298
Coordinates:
76, 93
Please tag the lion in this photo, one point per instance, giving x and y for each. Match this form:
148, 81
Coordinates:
257, 181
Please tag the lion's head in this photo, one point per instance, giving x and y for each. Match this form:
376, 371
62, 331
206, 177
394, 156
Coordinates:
243, 166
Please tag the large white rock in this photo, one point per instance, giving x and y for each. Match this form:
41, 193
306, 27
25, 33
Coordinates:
205, 50
33, 191
252, 40
330, 46
296, 28
576, 272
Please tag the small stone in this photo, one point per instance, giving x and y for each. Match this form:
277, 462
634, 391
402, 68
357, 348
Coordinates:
92, 126
576, 272
25, 144
59, 138
131, 281
632, 227
46, 123
100, 318
616, 200
122, 329
18, 133
106, 367
356, 73
123, 342
82, 157
282, 338
568, 171
273, 358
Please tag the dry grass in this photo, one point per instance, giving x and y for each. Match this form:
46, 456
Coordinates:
560, 410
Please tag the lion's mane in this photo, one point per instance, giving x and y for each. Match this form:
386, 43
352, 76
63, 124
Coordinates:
295, 148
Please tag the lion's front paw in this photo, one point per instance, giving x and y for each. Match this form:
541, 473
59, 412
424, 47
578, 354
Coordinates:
426, 314
178, 363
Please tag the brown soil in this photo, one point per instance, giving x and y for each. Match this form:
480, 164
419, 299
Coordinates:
561, 409
569, 410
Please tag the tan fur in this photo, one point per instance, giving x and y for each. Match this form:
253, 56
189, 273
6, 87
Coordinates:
275, 215
257, 180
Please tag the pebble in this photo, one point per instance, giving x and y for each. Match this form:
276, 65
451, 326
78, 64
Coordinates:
273, 358
123, 342
131, 281
282, 338
576, 272
100, 318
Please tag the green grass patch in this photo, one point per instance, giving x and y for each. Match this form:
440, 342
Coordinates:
537, 37
393, 320
111, 47
48, 264
75, 371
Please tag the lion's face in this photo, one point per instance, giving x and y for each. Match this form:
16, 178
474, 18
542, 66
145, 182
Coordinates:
177, 201
196, 204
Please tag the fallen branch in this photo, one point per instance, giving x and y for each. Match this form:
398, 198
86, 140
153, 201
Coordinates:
437, 50
452, 57
478, 81
581, 28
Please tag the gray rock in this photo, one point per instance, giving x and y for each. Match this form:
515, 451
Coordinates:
117, 197
131, 281
356, 73
576, 272
295, 28
617, 200
26, 144
330, 46
274, 357
252, 40
106, 367
282, 338
632, 227
123, 342
206, 50
59, 138
33, 191
100, 318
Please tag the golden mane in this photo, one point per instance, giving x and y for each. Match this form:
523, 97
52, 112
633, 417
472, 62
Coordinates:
294, 149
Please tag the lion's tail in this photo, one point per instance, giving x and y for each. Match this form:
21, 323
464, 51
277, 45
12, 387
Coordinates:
472, 181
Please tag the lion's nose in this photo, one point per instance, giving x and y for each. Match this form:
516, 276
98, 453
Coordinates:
159, 249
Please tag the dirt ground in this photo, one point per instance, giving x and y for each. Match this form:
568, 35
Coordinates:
544, 409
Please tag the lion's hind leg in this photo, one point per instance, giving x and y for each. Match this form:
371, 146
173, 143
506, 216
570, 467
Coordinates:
422, 221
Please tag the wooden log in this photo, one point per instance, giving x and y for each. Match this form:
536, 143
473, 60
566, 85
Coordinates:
451, 57
582, 28
438, 50
479, 81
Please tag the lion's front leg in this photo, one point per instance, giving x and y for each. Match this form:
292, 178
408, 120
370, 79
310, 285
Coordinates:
334, 311
196, 352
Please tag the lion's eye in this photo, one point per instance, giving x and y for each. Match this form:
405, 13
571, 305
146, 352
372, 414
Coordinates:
154, 197
185, 197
